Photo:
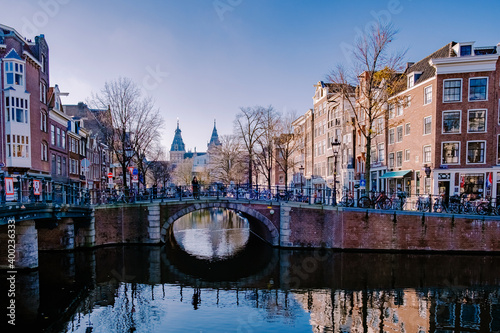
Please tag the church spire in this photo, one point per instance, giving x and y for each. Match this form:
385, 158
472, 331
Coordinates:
214, 139
178, 143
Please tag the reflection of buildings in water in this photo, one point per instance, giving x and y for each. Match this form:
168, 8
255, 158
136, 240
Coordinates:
466, 310
366, 311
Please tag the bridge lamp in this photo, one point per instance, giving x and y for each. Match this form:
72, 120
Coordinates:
301, 171
335, 149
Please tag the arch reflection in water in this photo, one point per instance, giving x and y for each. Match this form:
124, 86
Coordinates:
212, 234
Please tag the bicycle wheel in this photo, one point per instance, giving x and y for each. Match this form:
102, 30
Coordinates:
482, 209
364, 202
455, 207
385, 203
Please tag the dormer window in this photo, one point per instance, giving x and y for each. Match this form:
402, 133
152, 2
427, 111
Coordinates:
14, 73
412, 78
465, 50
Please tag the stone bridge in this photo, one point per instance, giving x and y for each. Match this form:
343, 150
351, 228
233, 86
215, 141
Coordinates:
288, 225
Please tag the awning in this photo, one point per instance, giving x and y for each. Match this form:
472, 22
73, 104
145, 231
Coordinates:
396, 174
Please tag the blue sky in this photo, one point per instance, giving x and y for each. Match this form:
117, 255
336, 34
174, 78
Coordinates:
204, 59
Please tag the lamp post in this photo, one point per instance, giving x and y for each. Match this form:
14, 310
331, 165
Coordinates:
335, 149
301, 170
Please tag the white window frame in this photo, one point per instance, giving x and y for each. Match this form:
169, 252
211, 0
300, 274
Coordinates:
407, 126
426, 102
498, 145
402, 133
389, 160
442, 122
461, 89
459, 150
467, 152
423, 154
485, 120
396, 162
381, 158
393, 136
487, 83
407, 156
423, 127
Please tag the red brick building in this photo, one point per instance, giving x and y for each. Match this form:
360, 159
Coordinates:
23, 110
444, 137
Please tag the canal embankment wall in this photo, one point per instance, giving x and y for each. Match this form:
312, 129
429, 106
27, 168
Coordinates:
310, 226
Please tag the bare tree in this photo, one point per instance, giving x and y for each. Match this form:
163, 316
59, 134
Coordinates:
161, 172
249, 128
376, 74
144, 160
226, 162
183, 172
265, 152
133, 122
286, 144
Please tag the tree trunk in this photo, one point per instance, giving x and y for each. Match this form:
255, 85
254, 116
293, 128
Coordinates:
368, 162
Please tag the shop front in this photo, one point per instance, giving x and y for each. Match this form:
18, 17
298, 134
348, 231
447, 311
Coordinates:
398, 181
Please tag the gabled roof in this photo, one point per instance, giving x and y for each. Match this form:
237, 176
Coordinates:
425, 68
13, 55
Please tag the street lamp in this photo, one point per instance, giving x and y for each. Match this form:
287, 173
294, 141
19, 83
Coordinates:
301, 170
335, 149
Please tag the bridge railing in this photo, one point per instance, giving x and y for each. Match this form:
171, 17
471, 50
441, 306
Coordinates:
396, 200
30, 190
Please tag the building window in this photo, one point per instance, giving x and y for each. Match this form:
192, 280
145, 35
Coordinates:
427, 125
399, 133
452, 90
53, 164
399, 158
407, 155
399, 111
478, 89
52, 135
465, 50
391, 160
407, 129
498, 149
451, 121
392, 112
63, 139
428, 95
391, 136
477, 121
59, 166
450, 152
427, 154
58, 136
381, 152
476, 151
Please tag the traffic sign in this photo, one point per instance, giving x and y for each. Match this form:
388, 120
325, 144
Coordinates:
135, 172
362, 182
110, 175
135, 178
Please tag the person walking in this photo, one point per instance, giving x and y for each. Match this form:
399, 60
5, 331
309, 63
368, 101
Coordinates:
196, 188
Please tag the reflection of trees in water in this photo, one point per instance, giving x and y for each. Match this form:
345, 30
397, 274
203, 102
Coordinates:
211, 232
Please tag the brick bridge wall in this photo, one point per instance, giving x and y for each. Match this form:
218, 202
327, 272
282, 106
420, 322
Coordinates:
302, 225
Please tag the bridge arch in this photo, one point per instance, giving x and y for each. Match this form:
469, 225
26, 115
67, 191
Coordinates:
259, 224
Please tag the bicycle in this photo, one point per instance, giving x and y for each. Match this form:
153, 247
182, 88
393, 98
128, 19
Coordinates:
486, 207
423, 203
380, 202
347, 200
398, 200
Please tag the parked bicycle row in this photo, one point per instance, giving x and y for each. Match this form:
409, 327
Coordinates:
456, 204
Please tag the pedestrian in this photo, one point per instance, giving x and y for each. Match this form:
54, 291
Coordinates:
196, 188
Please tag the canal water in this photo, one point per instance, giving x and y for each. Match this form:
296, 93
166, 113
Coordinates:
215, 276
